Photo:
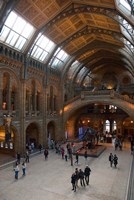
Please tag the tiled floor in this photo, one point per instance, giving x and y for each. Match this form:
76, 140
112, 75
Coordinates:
50, 180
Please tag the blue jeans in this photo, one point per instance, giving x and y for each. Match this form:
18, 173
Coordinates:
24, 171
16, 174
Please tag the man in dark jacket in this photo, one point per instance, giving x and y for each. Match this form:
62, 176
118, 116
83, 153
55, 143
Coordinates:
111, 159
87, 174
81, 176
73, 181
46, 154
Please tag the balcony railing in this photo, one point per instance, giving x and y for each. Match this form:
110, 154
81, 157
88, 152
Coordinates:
33, 114
52, 114
110, 93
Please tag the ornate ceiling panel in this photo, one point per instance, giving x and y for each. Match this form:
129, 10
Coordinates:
76, 24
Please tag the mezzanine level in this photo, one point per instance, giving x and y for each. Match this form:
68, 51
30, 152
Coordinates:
102, 96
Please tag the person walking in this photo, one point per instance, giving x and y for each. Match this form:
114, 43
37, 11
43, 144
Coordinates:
81, 176
24, 168
16, 170
87, 172
73, 181
66, 154
111, 157
77, 176
62, 152
115, 160
27, 156
46, 154
85, 156
77, 158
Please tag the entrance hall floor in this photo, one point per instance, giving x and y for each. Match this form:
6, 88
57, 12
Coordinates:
50, 180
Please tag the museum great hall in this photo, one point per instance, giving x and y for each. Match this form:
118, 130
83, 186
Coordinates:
65, 64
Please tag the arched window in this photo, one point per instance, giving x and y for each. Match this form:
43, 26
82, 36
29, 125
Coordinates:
114, 126
107, 126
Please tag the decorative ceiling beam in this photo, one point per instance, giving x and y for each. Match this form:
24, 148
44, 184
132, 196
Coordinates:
99, 65
106, 53
90, 30
109, 12
95, 45
107, 47
97, 55
100, 60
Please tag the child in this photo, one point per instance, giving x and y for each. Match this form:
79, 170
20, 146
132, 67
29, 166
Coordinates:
24, 168
16, 169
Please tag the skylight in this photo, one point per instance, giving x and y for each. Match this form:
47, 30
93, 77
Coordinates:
42, 47
72, 69
126, 26
16, 31
59, 58
81, 73
125, 4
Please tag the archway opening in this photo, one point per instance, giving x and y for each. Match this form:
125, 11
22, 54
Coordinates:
32, 135
51, 130
104, 118
7, 140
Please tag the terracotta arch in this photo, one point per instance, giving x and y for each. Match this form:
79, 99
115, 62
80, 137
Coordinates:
33, 134
51, 130
11, 146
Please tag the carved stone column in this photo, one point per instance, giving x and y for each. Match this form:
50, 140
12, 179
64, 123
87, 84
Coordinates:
29, 101
22, 107
35, 99
1, 90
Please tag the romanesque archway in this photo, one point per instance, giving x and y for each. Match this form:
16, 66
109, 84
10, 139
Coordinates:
51, 130
8, 140
33, 134
94, 115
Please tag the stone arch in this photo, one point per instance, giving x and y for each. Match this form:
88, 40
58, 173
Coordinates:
128, 128
34, 92
70, 109
123, 105
10, 146
33, 80
33, 134
10, 86
52, 99
51, 130
5, 69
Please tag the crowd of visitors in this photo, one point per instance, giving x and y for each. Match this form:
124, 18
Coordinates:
81, 176
66, 151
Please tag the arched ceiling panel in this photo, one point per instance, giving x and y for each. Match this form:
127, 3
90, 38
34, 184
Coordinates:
100, 69
83, 28
77, 8
109, 62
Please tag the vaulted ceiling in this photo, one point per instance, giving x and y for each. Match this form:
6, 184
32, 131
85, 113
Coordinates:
91, 32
